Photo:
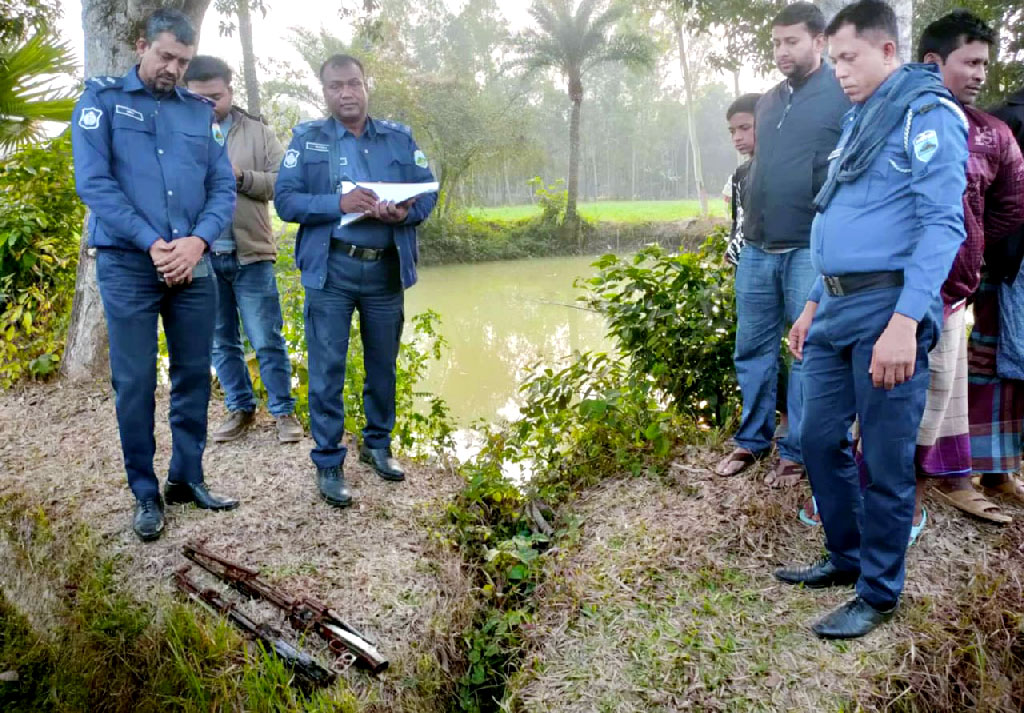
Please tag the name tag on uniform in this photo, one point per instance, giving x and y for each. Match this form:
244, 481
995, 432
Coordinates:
128, 111
311, 146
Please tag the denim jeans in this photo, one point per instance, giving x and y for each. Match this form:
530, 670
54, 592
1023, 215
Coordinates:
865, 529
771, 290
375, 289
133, 298
250, 291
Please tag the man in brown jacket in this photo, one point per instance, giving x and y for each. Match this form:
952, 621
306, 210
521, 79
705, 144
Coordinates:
243, 260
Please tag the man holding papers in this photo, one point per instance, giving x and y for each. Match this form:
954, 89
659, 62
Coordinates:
364, 262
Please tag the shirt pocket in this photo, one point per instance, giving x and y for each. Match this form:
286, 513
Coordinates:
316, 166
133, 144
402, 167
195, 145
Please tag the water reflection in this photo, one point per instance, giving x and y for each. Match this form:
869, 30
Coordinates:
501, 318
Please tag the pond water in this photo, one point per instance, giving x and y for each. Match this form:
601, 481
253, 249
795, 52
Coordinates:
500, 319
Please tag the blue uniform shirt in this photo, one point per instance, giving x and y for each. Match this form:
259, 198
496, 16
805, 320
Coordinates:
906, 211
317, 160
355, 158
148, 166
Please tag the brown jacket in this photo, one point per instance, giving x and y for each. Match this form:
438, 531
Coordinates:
253, 148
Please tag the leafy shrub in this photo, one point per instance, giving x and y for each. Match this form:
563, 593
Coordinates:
40, 228
674, 316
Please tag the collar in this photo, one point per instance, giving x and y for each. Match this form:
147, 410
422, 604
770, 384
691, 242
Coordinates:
372, 128
133, 83
803, 81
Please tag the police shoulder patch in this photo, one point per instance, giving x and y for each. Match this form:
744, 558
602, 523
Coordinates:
420, 158
90, 117
218, 133
926, 145
291, 158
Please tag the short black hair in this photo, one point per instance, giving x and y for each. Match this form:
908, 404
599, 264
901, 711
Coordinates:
742, 105
204, 67
341, 60
951, 32
867, 16
173, 21
801, 12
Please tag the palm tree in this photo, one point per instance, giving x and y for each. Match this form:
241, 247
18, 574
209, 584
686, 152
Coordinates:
27, 95
572, 40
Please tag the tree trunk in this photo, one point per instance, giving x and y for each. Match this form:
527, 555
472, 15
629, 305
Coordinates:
111, 28
698, 170
576, 100
904, 15
252, 84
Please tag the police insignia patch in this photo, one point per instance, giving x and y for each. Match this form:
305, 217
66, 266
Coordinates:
90, 117
420, 158
218, 135
291, 158
926, 144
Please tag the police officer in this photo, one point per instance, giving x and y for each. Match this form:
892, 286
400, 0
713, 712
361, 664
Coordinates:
365, 265
890, 222
151, 166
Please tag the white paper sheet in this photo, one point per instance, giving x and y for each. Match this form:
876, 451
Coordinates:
394, 192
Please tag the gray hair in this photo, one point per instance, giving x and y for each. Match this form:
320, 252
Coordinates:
173, 21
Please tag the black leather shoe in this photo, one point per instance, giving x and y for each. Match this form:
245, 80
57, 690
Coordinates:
148, 522
852, 620
381, 460
333, 490
819, 575
198, 495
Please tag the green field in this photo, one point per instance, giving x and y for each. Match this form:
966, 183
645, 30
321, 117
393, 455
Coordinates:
614, 211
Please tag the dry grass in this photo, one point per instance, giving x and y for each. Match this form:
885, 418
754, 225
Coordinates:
666, 603
375, 563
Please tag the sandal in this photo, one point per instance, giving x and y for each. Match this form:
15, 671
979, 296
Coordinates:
974, 503
809, 520
785, 475
915, 530
742, 456
1012, 489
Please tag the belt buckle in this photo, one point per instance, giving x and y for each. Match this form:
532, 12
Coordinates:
835, 286
351, 251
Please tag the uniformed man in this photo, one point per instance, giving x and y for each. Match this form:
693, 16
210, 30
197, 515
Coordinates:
151, 166
365, 265
890, 222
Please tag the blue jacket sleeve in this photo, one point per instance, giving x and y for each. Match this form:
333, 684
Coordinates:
94, 180
295, 201
817, 289
421, 174
219, 210
938, 157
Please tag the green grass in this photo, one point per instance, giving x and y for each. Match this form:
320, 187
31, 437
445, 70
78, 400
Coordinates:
613, 211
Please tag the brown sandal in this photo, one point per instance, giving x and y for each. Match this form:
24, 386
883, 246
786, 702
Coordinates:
1012, 489
974, 503
784, 476
739, 455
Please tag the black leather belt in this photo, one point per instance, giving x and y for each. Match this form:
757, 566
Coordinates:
842, 285
361, 253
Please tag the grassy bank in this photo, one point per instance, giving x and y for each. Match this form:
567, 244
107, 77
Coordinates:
611, 211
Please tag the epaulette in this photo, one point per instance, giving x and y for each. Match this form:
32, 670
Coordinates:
307, 126
101, 83
395, 126
198, 97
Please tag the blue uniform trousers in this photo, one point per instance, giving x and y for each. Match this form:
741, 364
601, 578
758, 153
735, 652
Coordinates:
250, 291
867, 529
133, 297
375, 289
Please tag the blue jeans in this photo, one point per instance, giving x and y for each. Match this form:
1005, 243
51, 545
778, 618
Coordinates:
133, 297
375, 289
250, 291
771, 291
864, 530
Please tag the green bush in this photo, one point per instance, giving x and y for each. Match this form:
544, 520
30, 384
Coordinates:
674, 316
40, 228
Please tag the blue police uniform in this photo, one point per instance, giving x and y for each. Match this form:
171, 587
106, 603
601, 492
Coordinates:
152, 166
363, 266
884, 244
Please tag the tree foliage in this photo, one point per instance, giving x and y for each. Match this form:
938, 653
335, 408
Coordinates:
27, 95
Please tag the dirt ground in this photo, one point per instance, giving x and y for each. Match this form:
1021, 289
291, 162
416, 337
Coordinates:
667, 603
375, 562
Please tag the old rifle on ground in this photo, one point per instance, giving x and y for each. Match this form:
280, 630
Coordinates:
271, 638
304, 614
